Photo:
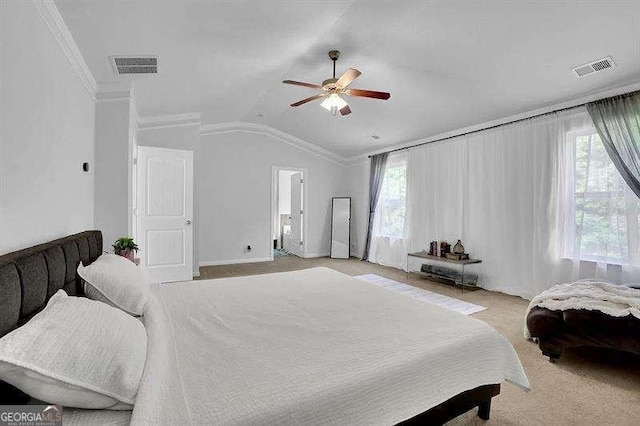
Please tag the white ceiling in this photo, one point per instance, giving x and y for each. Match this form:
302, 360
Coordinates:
447, 64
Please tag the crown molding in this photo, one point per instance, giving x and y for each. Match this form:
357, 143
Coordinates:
356, 159
169, 120
575, 102
58, 28
241, 126
109, 92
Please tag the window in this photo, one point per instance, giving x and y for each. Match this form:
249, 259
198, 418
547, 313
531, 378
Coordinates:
606, 212
390, 212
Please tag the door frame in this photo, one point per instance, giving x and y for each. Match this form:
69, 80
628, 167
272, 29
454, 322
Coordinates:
275, 203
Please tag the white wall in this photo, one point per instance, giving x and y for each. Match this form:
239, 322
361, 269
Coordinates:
175, 137
284, 191
46, 133
235, 195
112, 169
185, 137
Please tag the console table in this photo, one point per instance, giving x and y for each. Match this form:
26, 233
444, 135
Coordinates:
462, 263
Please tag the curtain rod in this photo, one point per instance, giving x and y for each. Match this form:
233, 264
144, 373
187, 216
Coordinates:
555, 111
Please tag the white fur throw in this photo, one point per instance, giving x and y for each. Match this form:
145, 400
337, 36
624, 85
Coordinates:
611, 299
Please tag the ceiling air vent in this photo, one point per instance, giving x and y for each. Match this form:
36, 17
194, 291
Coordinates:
595, 66
135, 64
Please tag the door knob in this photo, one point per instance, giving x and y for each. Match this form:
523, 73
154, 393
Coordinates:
188, 222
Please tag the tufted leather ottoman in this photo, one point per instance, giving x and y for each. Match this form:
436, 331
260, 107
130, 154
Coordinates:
560, 330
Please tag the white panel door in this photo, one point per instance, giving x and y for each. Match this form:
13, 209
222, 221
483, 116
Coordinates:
165, 213
296, 238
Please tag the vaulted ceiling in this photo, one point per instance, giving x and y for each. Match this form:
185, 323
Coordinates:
447, 64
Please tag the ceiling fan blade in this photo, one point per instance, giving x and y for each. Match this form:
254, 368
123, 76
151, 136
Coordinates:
368, 93
345, 110
309, 99
348, 77
300, 83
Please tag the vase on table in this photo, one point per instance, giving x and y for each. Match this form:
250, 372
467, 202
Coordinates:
458, 248
129, 254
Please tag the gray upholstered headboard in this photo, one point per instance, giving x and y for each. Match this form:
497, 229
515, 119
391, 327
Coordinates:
29, 277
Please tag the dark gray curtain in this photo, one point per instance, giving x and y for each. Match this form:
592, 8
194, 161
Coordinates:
618, 122
376, 176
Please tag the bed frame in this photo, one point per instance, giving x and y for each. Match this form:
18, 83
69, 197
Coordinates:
29, 277
453, 407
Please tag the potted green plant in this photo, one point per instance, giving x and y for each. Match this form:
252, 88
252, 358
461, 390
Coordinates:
125, 247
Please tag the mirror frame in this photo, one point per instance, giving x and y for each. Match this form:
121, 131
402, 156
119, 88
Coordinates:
331, 240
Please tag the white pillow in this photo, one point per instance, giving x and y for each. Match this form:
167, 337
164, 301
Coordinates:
117, 281
77, 353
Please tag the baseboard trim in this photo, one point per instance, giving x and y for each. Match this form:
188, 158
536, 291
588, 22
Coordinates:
312, 255
234, 261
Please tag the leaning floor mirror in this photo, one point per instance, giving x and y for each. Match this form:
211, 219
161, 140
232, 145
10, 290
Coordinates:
340, 227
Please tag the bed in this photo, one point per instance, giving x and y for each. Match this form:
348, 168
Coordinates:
313, 346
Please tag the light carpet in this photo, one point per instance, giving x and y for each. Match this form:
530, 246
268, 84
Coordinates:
447, 302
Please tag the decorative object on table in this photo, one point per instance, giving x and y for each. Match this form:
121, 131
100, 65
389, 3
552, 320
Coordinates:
125, 247
433, 248
458, 248
457, 256
445, 248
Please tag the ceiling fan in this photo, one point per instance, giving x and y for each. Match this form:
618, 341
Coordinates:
332, 88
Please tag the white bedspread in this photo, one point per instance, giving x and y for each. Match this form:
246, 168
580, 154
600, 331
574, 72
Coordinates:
79, 417
308, 347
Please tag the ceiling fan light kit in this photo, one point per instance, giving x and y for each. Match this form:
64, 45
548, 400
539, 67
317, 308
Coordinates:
333, 103
332, 88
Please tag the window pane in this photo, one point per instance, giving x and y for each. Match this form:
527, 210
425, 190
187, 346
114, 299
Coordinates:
392, 202
604, 210
602, 228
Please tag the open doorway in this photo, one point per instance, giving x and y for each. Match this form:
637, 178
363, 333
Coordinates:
288, 212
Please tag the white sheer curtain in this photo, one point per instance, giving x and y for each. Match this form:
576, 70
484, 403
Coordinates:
493, 190
436, 176
508, 194
599, 220
538, 201
389, 240
510, 202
